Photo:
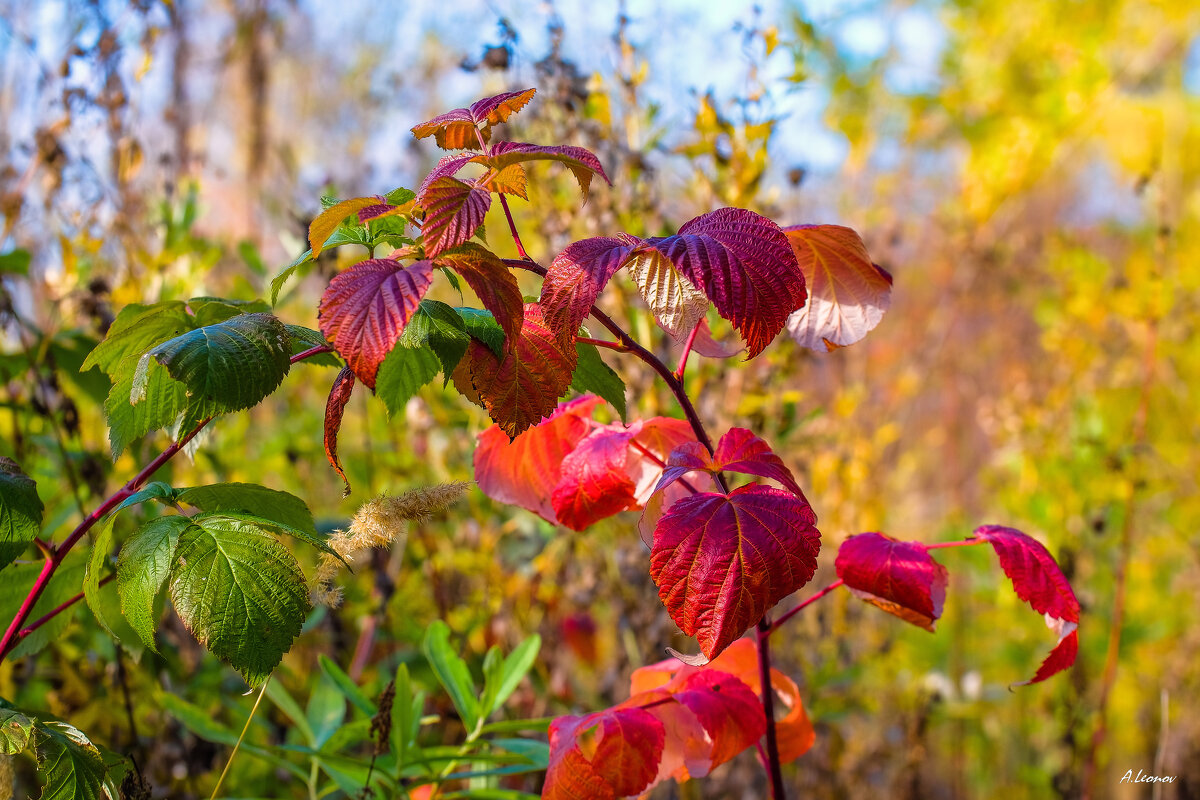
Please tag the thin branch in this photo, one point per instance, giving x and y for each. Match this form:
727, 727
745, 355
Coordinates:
791, 613
620, 348
61, 607
512, 227
648, 453
774, 768
687, 349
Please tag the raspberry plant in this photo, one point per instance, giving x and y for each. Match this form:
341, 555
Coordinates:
725, 547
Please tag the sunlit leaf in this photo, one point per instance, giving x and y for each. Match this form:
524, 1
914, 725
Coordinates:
492, 281
582, 162
461, 128
609, 754
675, 302
453, 212
577, 276
899, 577
328, 221
847, 294
142, 569
335, 406
20, 511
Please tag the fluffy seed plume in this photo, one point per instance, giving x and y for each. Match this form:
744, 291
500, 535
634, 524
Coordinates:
382, 522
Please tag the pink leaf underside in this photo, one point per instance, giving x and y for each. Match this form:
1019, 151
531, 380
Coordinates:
722, 561
454, 210
744, 264
582, 162
577, 276
492, 281
1038, 580
740, 451
525, 471
706, 345
365, 308
608, 754
847, 293
899, 577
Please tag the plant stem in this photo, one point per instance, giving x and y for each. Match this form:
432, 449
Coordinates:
512, 227
262, 690
775, 626
774, 768
687, 349
58, 554
42, 620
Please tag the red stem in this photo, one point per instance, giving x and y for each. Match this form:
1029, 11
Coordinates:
799, 607
687, 349
49, 615
58, 554
512, 226
650, 455
774, 767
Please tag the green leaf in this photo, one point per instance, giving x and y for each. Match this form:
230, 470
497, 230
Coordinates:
441, 328
15, 262
451, 672
406, 720
212, 310
17, 583
534, 751
101, 546
235, 363
593, 375
399, 196
143, 567
160, 402
402, 373
136, 329
284, 701
317, 540
239, 591
516, 666
482, 325
15, 730
70, 766
347, 686
326, 709
20, 511
251, 498
155, 490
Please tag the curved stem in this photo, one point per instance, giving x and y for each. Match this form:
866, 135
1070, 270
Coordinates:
687, 350
512, 227
58, 554
791, 613
237, 746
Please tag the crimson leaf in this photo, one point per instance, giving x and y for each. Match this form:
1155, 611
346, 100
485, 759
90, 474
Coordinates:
335, 406
743, 263
899, 577
721, 561
1038, 581
605, 755
577, 276
582, 162
364, 310
595, 483
492, 281
453, 212
456, 130
739, 450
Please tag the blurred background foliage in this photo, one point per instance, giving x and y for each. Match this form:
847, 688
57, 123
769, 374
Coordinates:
1028, 172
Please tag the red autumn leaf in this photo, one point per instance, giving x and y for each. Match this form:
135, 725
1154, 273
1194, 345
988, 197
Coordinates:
453, 212
595, 482
609, 754
510, 180
383, 209
577, 276
793, 729
525, 471
364, 310
1038, 581
722, 561
729, 710
739, 450
492, 281
899, 577
456, 130
847, 294
447, 167
521, 388
335, 406
743, 263
582, 162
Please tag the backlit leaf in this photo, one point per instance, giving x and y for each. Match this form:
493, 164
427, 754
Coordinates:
1037, 579
609, 754
403, 372
442, 329
142, 569
582, 162
739, 450
510, 180
335, 406
15, 731
525, 471
69, 765
239, 591
523, 386
251, 498
136, 329
364, 310
453, 212
20, 511
456, 130
577, 276
722, 561
743, 262
492, 281
595, 483
328, 221
899, 577
847, 294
